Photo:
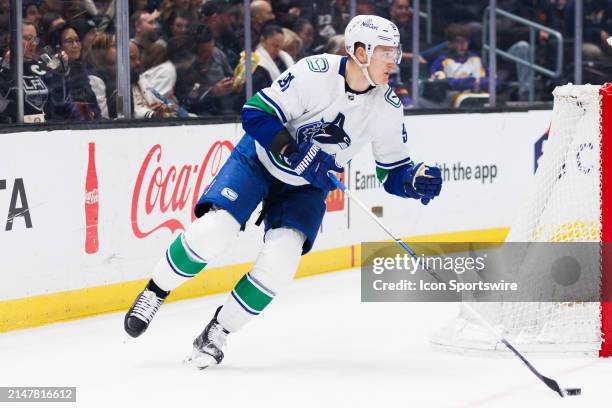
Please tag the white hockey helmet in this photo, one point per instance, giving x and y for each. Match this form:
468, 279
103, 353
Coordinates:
371, 31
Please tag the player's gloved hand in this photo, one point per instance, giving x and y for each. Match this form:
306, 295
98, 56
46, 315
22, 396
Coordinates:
423, 182
313, 164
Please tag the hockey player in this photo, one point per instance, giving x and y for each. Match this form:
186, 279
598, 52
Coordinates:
313, 119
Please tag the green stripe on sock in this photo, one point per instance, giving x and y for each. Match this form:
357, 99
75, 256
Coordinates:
182, 261
257, 102
251, 295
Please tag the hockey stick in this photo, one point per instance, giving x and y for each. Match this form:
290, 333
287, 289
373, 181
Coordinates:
550, 383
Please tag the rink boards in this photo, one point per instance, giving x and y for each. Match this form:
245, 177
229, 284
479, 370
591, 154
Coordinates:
150, 178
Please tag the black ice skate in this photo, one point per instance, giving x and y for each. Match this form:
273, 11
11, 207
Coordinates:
208, 346
145, 306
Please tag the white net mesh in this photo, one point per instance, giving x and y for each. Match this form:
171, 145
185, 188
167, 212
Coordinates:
563, 206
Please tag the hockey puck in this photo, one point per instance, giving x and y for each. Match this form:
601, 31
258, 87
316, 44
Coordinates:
570, 392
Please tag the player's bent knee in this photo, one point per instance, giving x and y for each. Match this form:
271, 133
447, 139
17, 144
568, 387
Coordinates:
210, 234
279, 257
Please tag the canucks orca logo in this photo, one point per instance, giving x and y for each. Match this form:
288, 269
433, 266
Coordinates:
325, 133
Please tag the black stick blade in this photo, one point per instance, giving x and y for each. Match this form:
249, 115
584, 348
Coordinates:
552, 384
571, 392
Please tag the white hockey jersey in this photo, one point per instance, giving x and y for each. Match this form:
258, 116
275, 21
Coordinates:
311, 101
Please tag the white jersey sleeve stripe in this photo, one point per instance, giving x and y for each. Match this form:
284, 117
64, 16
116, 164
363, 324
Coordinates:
394, 164
273, 160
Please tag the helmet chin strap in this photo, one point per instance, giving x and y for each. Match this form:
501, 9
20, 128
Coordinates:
364, 69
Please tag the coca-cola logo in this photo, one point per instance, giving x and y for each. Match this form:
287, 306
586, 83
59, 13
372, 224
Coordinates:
168, 190
91, 197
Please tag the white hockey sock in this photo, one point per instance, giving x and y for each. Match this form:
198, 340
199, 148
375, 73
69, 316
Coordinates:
274, 268
193, 249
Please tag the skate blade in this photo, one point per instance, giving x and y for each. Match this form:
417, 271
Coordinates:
199, 360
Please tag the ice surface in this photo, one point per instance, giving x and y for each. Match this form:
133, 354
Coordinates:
316, 345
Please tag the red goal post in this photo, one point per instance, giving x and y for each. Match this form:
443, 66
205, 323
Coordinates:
606, 218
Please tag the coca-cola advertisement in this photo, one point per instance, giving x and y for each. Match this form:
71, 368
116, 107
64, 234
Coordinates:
165, 193
91, 203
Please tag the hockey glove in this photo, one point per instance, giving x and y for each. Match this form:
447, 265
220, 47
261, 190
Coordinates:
313, 164
423, 182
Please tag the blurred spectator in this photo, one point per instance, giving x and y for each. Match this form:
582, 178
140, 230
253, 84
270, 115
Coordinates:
31, 12
80, 93
217, 15
156, 54
400, 14
138, 5
463, 70
48, 23
7, 115
366, 7
292, 44
514, 37
332, 18
335, 45
135, 62
596, 52
261, 14
468, 13
141, 107
5, 35
541, 12
553, 14
56, 6
204, 87
186, 7
80, 9
101, 60
287, 11
4, 7
557, 14
177, 25
159, 73
44, 83
305, 30
70, 10
145, 30
272, 59
106, 14
597, 26
597, 20
87, 30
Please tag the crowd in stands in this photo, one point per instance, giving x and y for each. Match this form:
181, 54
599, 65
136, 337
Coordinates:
190, 53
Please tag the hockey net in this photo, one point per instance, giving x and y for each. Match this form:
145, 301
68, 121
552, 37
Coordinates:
566, 204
